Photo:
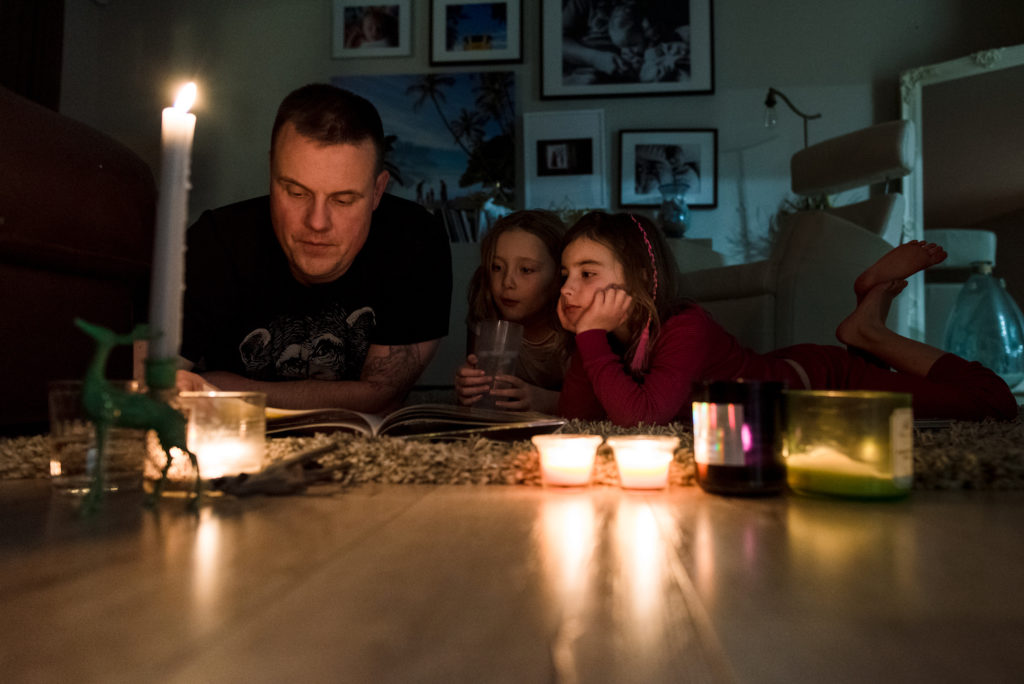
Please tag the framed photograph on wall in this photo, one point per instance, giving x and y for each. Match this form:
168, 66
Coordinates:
476, 32
662, 49
564, 160
652, 158
365, 29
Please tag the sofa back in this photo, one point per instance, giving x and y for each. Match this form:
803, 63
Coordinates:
76, 235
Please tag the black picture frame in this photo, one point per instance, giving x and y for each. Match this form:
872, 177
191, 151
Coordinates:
649, 158
661, 54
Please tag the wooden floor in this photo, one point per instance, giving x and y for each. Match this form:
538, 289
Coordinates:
513, 584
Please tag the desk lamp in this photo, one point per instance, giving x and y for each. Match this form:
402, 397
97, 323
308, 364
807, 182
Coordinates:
769, 111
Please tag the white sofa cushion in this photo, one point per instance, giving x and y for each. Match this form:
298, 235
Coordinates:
871, 155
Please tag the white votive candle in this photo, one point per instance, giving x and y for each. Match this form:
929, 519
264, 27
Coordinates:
221, 455
566, 460
643, 460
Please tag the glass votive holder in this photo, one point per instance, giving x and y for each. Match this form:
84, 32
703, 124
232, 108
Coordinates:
75, 458
855, 444
737, 437
643, 460
226, 432
566, 460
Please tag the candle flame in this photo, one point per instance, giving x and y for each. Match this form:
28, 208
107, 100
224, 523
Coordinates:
186, 97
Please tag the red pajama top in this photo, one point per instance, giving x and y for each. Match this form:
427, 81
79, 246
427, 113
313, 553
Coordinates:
691, 347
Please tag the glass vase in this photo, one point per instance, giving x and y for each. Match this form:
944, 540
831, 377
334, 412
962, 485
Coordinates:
674, 213
987, 326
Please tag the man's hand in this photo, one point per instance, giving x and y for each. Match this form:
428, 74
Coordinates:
187, 381
607, 312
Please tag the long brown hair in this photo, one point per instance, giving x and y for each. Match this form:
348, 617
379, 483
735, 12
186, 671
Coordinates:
644, 262
548, 228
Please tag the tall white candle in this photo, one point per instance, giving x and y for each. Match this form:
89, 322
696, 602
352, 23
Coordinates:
168, 278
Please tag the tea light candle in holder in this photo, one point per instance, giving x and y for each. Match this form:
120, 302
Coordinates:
855, 444
566, 460
643, 460
226, 431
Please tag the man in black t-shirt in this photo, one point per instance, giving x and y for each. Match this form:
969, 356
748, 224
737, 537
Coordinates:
327, 292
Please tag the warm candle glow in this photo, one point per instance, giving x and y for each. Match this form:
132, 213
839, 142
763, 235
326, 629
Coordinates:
222, 454
186, 97
643, 460
566, 460
226, 431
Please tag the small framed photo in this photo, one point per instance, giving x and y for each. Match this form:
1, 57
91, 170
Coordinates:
606, 49
476, 32
566, 157
652, 158
564, 160
364, 29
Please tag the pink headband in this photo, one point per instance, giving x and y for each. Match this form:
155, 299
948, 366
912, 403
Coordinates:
650, 252
640, 356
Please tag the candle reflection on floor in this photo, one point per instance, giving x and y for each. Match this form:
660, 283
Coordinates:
567, 541
207, 566
641, 551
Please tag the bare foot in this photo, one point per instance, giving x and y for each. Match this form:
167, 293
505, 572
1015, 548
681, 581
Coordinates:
897, 264
864, 327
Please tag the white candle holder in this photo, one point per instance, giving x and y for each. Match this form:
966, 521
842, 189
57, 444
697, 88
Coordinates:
566, 460
643, 460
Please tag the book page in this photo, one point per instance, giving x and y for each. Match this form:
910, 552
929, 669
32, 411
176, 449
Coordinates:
284, 420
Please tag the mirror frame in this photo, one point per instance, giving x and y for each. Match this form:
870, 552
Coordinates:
912, 321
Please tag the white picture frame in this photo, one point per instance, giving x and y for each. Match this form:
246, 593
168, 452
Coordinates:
577, 181
364, 29
485, 33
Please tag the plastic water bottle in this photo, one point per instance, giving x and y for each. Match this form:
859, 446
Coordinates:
987, 326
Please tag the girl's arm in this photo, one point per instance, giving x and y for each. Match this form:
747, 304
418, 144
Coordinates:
678, 356
577, 398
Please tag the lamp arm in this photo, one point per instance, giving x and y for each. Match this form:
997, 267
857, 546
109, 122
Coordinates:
770, 102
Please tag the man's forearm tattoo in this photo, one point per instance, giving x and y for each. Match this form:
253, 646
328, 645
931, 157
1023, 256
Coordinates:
398, 369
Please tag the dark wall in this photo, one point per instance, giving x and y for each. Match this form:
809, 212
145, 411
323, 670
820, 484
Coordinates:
31, 40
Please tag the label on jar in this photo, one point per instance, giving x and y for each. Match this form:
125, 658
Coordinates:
901, 437
718, 434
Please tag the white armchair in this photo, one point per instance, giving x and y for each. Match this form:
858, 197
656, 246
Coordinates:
805, 288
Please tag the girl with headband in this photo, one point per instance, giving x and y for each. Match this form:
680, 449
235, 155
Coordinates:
639, 349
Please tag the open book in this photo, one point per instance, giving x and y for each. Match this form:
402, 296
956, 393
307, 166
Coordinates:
428, 421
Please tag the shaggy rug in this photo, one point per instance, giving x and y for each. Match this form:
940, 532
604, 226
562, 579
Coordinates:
963, 455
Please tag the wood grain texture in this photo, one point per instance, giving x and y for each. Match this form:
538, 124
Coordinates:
512, 584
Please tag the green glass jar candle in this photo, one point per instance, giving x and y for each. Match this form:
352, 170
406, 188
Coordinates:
855, 444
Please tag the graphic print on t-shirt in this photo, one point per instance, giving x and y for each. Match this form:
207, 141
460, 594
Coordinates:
331, 345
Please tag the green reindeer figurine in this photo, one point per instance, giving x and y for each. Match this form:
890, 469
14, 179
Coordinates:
109, 406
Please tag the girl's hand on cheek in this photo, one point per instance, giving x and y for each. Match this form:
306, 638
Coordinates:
608, 310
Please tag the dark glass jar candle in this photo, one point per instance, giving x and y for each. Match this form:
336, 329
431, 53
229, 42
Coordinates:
737, 437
